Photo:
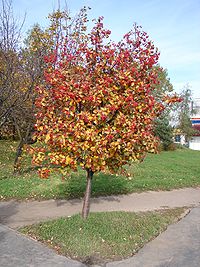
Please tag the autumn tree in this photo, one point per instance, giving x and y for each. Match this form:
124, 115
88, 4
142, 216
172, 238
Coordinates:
29, 71
97, 106
16, 80
9, 44
13, 93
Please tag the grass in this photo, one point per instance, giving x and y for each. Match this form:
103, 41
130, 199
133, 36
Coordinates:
165, 171
103, 236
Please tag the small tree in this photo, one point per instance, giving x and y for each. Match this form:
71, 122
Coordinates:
97, 108
164, 85
183, 112
164, 130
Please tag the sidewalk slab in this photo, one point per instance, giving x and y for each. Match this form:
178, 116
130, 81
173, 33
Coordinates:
178, 246
16, 250
16, 214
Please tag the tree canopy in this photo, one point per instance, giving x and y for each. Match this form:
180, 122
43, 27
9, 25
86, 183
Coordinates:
97, 106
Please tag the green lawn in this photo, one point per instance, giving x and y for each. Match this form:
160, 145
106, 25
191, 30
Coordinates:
103, 236
165, 171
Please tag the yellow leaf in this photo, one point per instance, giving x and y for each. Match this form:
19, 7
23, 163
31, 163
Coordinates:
67, 160
63, 140
47, 138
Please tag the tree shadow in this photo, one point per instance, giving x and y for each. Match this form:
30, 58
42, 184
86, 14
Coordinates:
7, 210
29, 169
103, 185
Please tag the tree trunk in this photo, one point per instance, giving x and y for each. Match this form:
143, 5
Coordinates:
17, 156
23, 141
13, 133
86, 201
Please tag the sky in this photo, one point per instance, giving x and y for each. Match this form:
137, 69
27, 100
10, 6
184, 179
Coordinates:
173, 26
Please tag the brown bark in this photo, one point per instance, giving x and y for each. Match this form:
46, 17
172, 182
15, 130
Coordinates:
18, 156
86, 201
23, 141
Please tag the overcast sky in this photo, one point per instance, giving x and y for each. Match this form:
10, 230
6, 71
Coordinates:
173, 25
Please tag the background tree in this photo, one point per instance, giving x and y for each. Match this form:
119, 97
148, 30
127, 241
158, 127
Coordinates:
163, 129
164, 85
23, 67
9, 44
17, 80
13, 83
183, 113
97, 106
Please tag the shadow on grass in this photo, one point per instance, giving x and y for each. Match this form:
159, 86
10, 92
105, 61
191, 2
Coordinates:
28, 170
28, 185
102, 185
105, 188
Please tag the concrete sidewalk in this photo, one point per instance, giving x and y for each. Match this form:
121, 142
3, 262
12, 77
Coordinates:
16, 214
178, 246
16, 250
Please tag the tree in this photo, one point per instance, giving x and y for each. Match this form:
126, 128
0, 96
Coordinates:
184, 112
164, 85
164, 130
21, 68
97, 108
17, 80
10, 31
14, 88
